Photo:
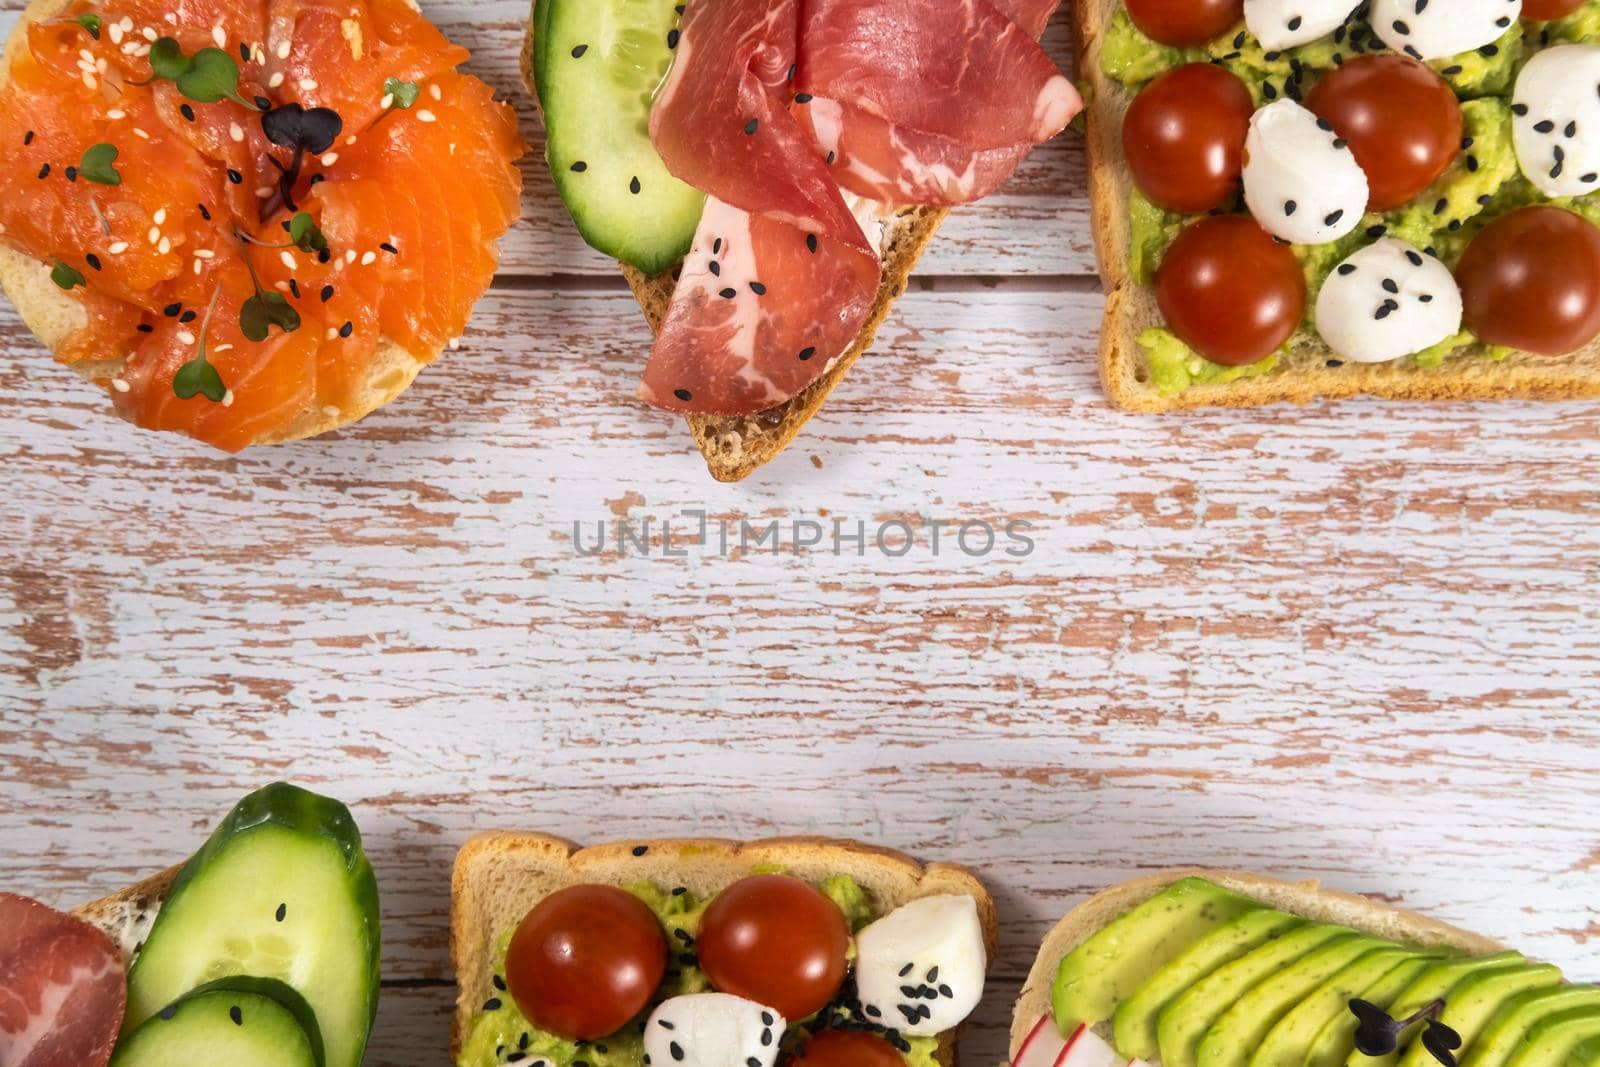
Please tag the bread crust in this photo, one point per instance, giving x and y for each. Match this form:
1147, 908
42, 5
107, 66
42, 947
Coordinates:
127, 915
1306, 899
735, 446
500, 875
52, 315
1303, 376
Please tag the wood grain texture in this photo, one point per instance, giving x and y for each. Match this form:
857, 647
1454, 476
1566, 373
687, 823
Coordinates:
1356, 641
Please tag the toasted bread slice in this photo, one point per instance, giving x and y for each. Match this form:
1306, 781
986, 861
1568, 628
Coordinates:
1303, 375
126, 916
734, 446
1305, 899
499, 876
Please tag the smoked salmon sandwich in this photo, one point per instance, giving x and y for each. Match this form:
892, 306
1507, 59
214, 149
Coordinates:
769, 171
248, 221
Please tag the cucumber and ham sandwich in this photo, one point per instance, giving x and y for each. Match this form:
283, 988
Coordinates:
793, 952
1199, 968
248, 221
768, 171
259, 951
1303, 198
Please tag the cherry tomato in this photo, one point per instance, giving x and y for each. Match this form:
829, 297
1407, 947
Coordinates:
1531, 280
1185, 23
585, 961
1402, 120
847, 1048
1545, 10
1184, 136
777, 941
1230, 291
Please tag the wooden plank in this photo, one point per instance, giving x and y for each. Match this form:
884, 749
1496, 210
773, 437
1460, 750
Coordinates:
1039, 224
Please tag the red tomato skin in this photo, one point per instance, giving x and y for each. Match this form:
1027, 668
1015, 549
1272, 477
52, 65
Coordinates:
777, 941
1185, 23
847, 1048
1402, 120
1545, 10
585, 961
1230, 291
1183, 138
1531, 280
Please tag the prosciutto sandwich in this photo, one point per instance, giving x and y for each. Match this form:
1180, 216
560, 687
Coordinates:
769, 171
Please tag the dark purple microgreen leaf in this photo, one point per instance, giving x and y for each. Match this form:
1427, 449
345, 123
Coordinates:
199, 378
66, 277
309, 130
1377, 1033
91, 23
97, 165
1441, 1042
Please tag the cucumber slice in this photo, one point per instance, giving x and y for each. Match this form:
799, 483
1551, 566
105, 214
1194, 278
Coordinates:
281, 890
597, 65
240, 1022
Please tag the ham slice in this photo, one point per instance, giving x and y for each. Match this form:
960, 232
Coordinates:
62, 988
772, 107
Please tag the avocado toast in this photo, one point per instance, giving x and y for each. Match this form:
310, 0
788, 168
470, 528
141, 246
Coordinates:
1146, 367
1201, 968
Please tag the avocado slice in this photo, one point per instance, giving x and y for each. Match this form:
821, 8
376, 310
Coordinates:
1134, 1025
1474, 1000
1337, 1039
1098, 974
1586, 1054
1289, 1042
1505, 1033
1431, 985
1240, 1030
1553, 1039
1186, 1020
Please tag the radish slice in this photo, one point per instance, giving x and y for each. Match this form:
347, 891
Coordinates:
1043, 1045
1085, 1048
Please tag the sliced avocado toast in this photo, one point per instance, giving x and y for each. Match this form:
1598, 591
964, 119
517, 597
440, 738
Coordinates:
265, 949
1202, 974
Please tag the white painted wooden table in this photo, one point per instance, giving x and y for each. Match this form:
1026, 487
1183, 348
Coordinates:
1359, 641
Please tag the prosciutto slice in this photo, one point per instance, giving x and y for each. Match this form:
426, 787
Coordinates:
62, 988
772, 107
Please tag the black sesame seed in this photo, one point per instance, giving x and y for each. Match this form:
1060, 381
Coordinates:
634, 186
579, 167
27, 138
811, 242
347, 329
93, 261
281, 913
751, 127
171, 310
187, 112
71, 173
235, 177
716, 269
807, 353
683, 395
758, 289
263, 103
492, 1004
44, 172
145, 327
577, 53
236, 1015
389, 248
327, 293
728, 294
803, 98
205, 213
672, 38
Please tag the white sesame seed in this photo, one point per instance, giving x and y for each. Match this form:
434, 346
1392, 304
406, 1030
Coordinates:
350, 140
330, 158
116, 114
164, 247
387, 102
160, 217
332, 333
283, 49
204, 253
150, 34
235, 131
264, 191
308, 85
426, 116
276, 80
227, 399
115, 33
433, 91
118, 248
288, 259
154, 235
455, 343
219, 35
197, 268
87, 55
139, 131
90, 80
369, 259
185, 337
119, 385
222, 348
331, 411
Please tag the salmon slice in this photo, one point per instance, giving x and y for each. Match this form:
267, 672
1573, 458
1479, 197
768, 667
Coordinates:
409, 196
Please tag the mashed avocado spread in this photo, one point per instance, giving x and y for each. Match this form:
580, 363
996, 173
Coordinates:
1484, 182
502, 1035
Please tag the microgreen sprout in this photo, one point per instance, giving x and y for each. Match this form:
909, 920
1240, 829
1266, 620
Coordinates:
91, 23
67, 277
207, 77
304, 130
199, 377
1378, 1033
98, 165
398, 95
306, 235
